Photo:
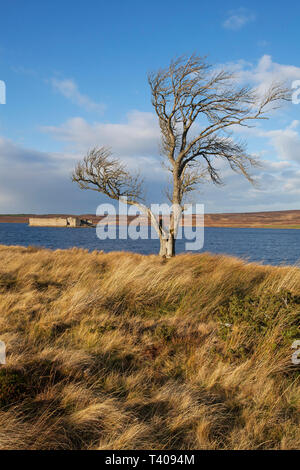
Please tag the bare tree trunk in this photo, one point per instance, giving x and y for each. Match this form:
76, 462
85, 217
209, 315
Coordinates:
167, 237
163, 248
171, 246
167, 247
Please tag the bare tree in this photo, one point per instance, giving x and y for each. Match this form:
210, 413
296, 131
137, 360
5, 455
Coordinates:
197, 108
99, 171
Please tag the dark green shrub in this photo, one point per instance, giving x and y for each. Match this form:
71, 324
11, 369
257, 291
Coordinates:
13, 386
260, 313
165, 332
8, 281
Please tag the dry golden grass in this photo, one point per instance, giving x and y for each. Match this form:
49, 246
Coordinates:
123, 351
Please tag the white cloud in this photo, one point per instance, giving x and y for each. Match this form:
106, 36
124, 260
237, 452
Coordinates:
29, 179
40, 181
69, 89
139, 134
265, 72
136, 139
238, 18
32, 181
136, 142
263, 43
286, 142
278, 189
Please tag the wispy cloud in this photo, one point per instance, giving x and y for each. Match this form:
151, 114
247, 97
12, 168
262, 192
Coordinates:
138, 135
40, 174
263, 43
286, 142
238, 18
69, 89
264, 73
135, 140
41, 181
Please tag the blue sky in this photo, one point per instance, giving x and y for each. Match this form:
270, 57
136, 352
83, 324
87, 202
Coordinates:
76, 76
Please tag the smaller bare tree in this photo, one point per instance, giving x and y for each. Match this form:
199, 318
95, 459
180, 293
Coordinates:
196, 109
99, 171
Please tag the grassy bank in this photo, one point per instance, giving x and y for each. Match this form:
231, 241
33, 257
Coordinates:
123, 351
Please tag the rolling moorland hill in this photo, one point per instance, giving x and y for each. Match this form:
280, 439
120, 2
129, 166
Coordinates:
124, 351
275, 219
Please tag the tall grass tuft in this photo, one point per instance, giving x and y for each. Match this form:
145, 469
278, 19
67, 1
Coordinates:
124, 351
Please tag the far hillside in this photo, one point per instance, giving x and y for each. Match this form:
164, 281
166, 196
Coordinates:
271, 219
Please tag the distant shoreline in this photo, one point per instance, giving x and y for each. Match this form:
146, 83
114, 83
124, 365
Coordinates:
273, 219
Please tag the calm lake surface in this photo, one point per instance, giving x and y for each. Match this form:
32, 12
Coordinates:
269, 246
